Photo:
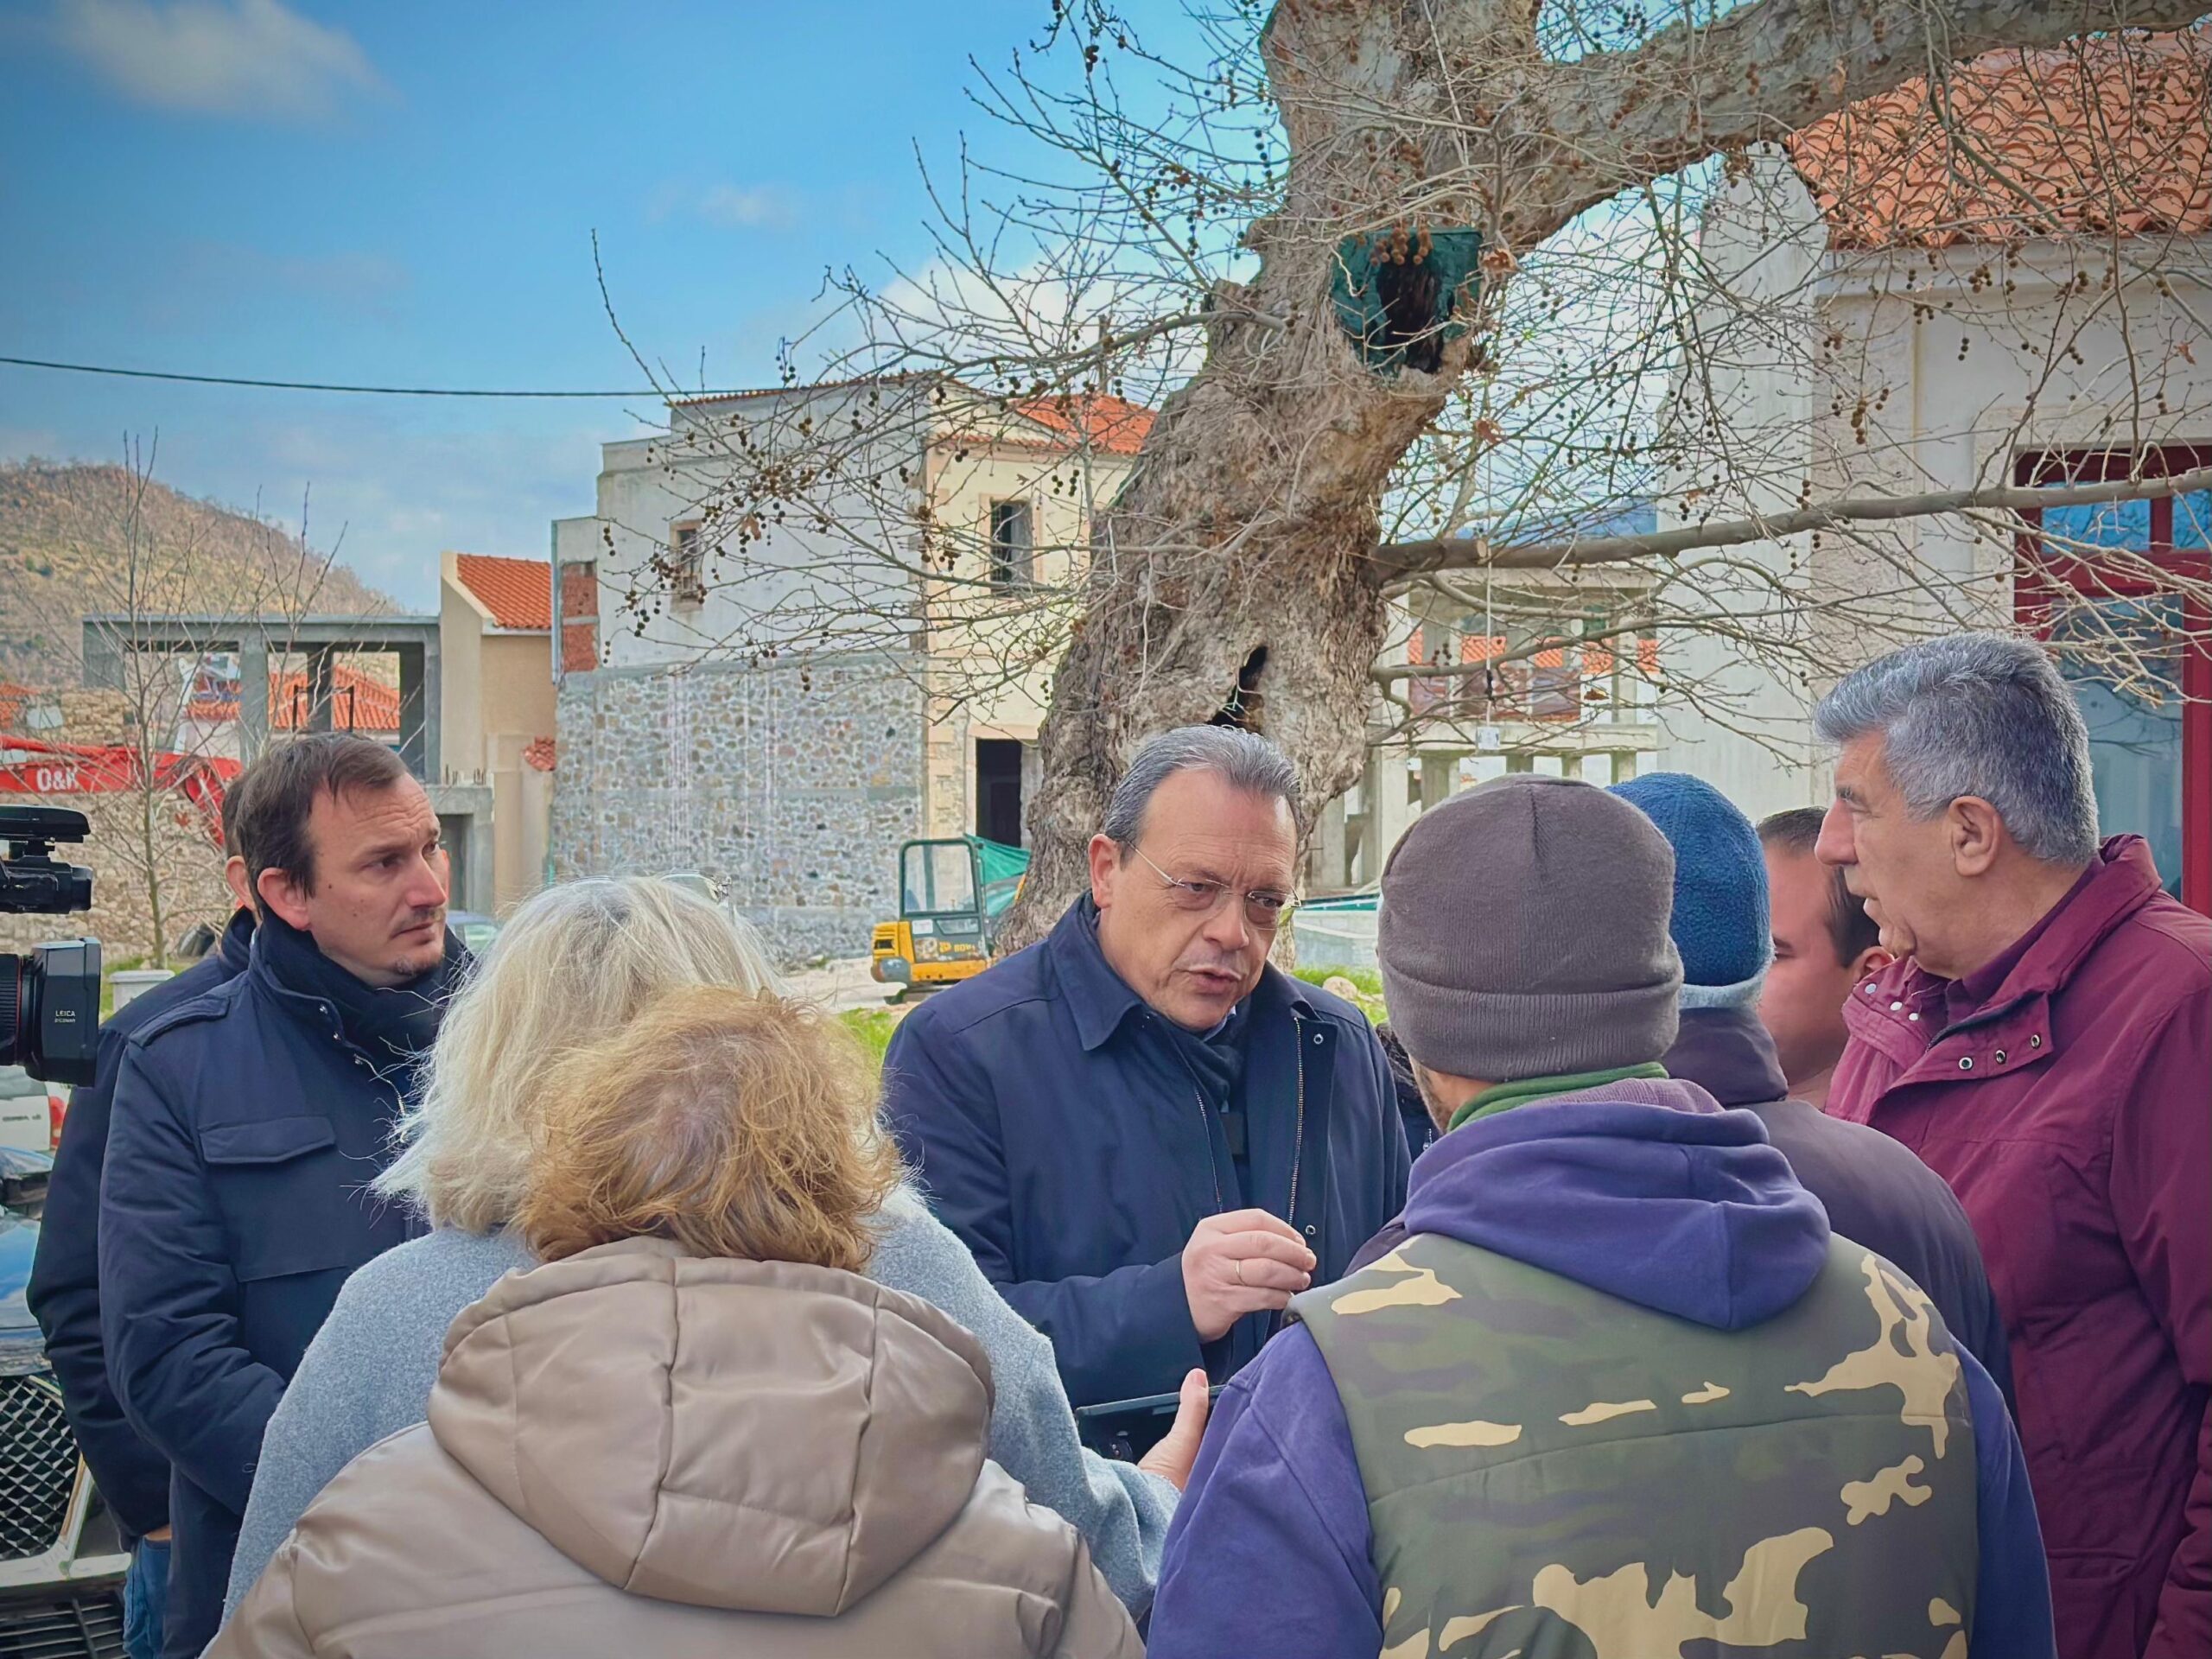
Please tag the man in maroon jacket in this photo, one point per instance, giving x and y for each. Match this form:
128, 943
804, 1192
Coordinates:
2045, 1041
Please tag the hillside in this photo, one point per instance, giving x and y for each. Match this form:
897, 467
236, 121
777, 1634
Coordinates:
77, 538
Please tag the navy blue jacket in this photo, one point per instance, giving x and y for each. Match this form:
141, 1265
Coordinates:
1056, 1129
247, 1127
65, 1284
1875, 1191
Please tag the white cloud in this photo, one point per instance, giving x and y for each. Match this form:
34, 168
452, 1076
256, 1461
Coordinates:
735, 205
732, 206
1043, 312
216, 57
401, 490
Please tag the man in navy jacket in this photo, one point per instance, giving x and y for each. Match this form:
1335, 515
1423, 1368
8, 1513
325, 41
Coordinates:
248, 1124
64, 1292
1149, 1137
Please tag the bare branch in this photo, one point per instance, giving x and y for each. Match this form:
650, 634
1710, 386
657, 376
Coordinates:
1469, 553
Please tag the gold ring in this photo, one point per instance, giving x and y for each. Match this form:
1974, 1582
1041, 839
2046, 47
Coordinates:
1238, 1263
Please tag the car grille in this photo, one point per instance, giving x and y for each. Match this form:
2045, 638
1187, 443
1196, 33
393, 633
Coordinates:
82, 1627
38, 1467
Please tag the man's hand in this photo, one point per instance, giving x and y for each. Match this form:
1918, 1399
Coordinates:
1178, 1448
1246, 1261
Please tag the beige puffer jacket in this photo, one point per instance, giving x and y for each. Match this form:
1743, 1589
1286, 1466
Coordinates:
636, 1451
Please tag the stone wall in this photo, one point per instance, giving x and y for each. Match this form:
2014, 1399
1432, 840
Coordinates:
185, 872
144, 851
791, 787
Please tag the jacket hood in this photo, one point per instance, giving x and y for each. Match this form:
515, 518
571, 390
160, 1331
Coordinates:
1729, 1055
760, 1436
1644, 1190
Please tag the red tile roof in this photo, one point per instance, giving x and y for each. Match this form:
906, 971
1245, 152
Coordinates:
1108, 423
2113, 134
12, 699
358, 702
540, 753
517, 592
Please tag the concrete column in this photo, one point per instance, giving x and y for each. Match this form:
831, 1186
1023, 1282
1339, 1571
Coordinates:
418, 705
433, 672
322, 689
1439, 775
1393, 812
103, 658
1329, 870
253, 695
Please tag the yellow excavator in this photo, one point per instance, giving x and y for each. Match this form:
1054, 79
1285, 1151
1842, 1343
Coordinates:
952, 895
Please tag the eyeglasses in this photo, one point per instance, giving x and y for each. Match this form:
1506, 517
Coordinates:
1265, 910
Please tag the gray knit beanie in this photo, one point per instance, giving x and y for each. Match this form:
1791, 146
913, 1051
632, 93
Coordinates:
1523, 933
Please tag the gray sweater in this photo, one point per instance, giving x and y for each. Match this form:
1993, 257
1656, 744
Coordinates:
368, 1373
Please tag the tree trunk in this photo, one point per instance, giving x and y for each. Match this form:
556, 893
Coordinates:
158, 953
1248, 522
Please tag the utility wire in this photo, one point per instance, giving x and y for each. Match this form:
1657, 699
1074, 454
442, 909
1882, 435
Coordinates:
321, 386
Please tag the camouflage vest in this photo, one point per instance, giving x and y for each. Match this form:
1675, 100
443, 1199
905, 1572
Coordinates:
1554, 1472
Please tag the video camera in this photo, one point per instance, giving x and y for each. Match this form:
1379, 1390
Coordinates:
49, 1000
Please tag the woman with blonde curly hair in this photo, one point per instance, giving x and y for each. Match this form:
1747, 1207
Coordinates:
695, 1429
582, 963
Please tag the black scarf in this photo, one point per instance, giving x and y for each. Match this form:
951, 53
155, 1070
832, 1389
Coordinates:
1216, 1057
401, 1022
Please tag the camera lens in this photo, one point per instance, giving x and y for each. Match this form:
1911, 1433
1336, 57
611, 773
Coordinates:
50, 1010
13, 970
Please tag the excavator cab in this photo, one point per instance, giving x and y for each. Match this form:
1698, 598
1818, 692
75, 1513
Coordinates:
952, 895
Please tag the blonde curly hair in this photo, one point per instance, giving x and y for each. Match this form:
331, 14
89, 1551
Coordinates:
735, 1124
576, 962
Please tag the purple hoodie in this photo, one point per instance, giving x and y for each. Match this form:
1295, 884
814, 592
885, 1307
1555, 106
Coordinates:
1647, 1191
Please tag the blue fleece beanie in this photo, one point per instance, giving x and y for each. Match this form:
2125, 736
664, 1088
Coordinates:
1720, 924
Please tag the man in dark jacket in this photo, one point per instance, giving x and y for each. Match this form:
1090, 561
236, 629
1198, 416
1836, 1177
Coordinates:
1825, 947
1149, 1137
1876, 1193
64, 1290
1616, 1390
247, 1122
2044, 1042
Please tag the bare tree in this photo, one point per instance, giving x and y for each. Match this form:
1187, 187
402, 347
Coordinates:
1422, 290
154, 755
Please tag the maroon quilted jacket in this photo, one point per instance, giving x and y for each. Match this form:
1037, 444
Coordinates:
2072, 1114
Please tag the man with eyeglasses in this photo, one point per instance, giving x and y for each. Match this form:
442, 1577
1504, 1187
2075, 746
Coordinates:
1151, 1138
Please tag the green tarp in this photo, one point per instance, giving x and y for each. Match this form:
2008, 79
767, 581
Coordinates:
1001, 869
1400, 297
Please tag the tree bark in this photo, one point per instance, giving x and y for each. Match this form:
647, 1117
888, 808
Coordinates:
1248, 520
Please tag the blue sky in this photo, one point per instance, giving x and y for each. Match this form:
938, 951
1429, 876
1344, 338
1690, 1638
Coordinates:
406, 193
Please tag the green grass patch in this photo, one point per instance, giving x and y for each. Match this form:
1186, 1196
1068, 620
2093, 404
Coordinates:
1368, 987
873, 1028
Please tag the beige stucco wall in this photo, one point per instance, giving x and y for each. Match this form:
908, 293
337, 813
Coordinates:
497, 697
1956, 354
1066, 493
460, 668
518, 686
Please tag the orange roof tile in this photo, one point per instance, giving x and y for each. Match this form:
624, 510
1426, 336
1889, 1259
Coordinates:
517, 592
2105, 135
1108, 423
539, 754
358, 703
